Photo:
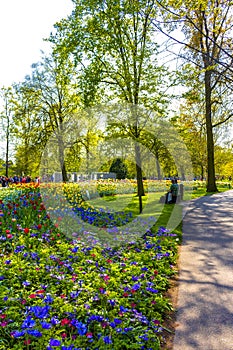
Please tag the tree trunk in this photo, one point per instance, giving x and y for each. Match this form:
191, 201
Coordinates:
62, 158
211, 184
7, 151
158, 166
7, 139
140, 188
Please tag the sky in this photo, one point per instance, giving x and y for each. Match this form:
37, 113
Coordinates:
23, 25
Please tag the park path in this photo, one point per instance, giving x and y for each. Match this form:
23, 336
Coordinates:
205, 297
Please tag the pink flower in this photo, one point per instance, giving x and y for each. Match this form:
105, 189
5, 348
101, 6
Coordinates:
32, 296
89, 335
27, 341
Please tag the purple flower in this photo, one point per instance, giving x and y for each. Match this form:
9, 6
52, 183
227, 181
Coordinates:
26, 283
74, 294
34, 256
135, 278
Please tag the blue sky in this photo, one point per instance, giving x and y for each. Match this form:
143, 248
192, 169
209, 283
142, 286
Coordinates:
23, 25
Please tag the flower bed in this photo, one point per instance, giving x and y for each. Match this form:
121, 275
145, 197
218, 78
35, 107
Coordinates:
60, 293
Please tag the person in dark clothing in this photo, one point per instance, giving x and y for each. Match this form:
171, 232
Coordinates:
4, 181
174, 191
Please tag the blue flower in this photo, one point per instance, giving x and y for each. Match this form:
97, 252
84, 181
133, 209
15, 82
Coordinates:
136, 286
34, 332
28, 323
18, 334
46, 325
119, 330
144, 337
81, 327
128, 329
40, 311
19, 248
35, 256
117, 321
54, 342
54, 320
144, 269
107, 340
48, 299
152, 290
123, 309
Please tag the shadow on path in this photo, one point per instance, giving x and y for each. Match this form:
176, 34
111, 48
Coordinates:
205, 300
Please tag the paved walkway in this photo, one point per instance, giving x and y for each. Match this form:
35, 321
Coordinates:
205, 300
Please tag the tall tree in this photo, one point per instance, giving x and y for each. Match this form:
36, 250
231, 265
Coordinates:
28, 129
207, 26
7, 122
54, 80
114, 43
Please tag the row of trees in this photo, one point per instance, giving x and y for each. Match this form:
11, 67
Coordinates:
107, 66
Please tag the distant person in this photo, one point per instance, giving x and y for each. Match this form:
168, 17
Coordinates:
37, 180
174, 191
4, 181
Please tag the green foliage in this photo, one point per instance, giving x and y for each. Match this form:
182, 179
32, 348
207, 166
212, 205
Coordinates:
59, 290
120, 168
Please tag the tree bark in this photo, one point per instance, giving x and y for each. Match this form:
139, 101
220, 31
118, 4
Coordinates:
211, 185
140, 188
62, 158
